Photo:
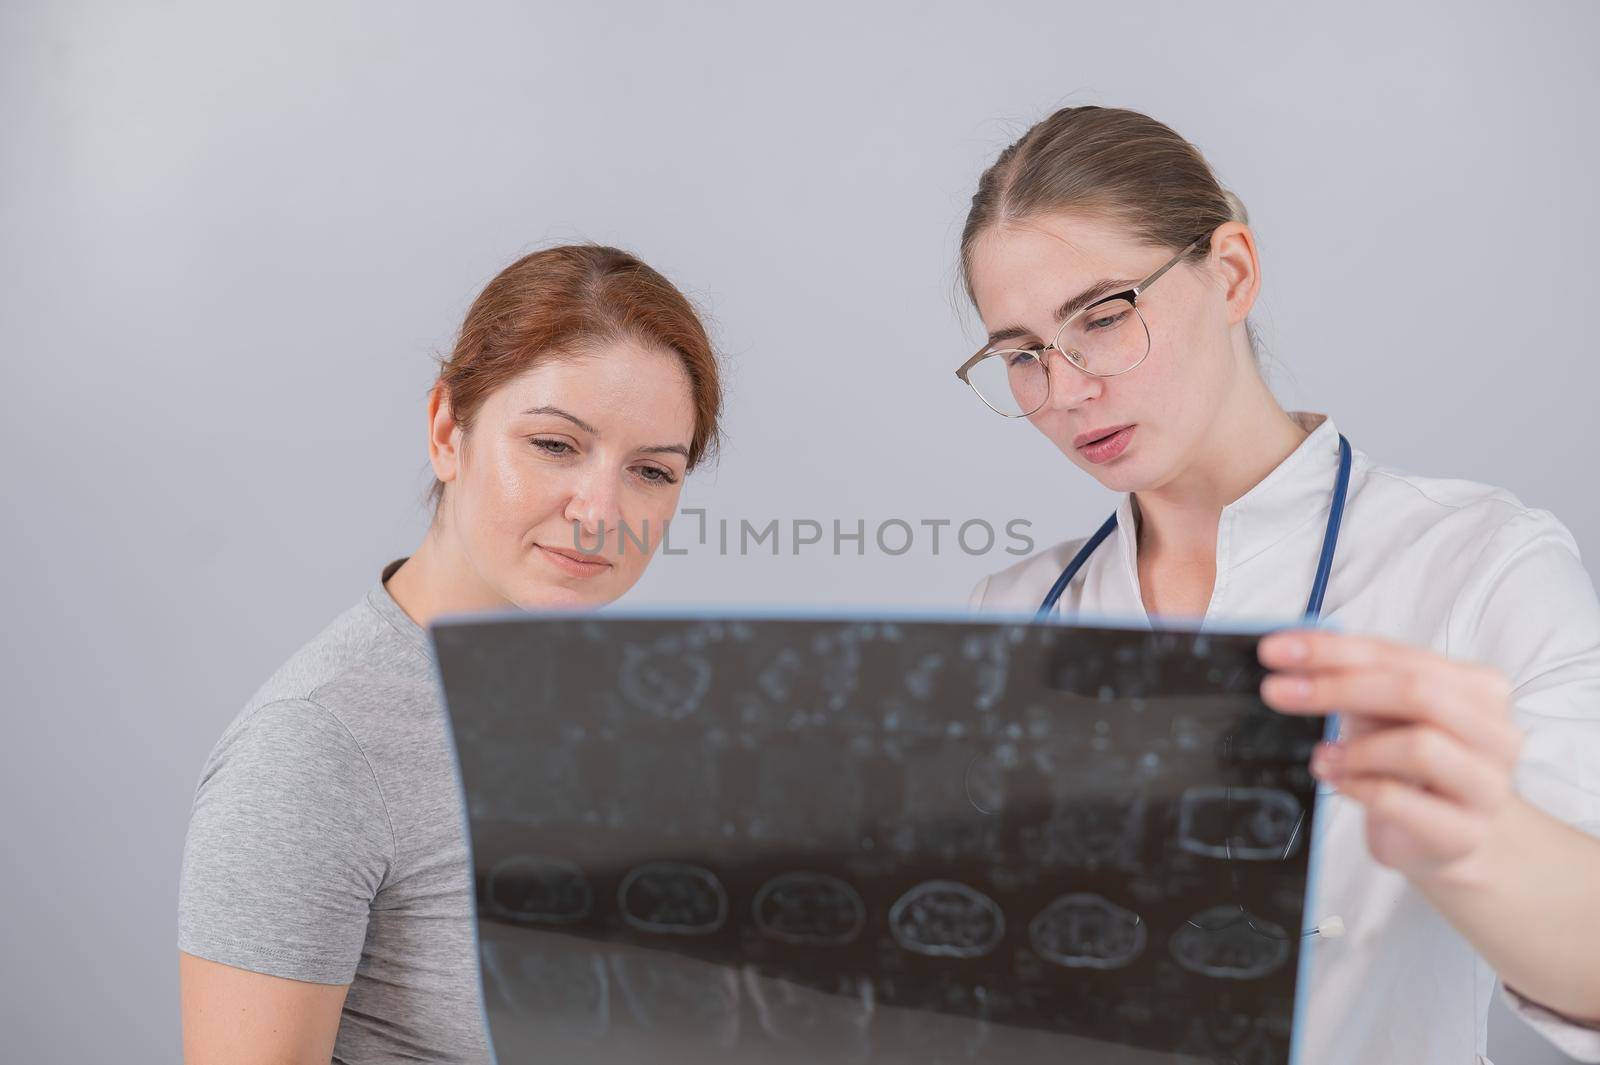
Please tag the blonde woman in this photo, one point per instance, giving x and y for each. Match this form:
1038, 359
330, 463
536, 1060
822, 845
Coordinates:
1114, 276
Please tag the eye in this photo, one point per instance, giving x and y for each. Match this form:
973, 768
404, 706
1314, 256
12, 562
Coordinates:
1020, 357
656, 475
1107, 321
553, 447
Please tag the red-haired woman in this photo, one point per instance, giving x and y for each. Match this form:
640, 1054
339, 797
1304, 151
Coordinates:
325, 900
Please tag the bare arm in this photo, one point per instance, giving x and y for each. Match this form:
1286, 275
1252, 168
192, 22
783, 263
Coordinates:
1527, 903
236, 1017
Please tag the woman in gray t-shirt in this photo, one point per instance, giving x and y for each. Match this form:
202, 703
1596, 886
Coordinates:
325, 904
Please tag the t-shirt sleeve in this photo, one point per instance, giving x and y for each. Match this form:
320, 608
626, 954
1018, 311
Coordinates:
289, 841
1534, 615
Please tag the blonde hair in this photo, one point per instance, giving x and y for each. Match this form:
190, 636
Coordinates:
1106, 161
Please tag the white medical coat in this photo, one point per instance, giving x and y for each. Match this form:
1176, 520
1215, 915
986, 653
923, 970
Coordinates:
1463, 569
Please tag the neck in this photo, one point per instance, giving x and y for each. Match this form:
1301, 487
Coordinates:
1179, 519
438, 579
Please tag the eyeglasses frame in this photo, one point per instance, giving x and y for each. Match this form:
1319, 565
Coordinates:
1131, 295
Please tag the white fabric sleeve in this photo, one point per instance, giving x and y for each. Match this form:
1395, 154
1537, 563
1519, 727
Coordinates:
1579, 1042
1533, 614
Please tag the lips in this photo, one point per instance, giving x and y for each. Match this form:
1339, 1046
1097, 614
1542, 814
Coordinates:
575, 562
1102, 445
1093, 435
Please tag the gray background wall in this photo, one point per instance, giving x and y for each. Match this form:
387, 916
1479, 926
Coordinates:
231, 237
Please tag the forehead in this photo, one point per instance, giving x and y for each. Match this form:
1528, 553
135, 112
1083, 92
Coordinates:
1022, 271
621, 382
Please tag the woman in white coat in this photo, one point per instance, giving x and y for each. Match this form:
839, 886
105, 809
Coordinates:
1466, 669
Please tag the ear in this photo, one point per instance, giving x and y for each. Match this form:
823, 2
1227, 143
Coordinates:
444, 435
1234, 262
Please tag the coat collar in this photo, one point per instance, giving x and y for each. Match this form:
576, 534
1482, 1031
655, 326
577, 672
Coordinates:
1295, 494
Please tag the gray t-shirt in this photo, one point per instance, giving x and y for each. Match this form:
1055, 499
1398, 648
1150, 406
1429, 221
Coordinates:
327, 842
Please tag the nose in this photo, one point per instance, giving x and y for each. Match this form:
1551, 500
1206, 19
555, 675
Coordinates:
594, 508
1070, 387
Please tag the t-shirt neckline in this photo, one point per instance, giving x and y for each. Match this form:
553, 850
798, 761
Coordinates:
380, 600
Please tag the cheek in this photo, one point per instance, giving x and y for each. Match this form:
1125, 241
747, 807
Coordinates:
510, 491
1182, 358
1172, 383
1163, 388
648, 515
1054, 424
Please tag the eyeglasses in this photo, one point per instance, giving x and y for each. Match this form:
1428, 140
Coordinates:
1104, 339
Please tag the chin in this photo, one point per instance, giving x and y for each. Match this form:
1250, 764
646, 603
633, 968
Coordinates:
547, 595
1129, 473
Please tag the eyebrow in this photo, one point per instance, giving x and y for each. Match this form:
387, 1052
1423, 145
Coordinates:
654, 449
1103, 287
559, 413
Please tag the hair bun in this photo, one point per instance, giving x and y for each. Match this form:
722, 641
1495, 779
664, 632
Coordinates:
1236, 210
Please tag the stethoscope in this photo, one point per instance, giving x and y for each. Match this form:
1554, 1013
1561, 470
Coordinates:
1329, 927
1319, 586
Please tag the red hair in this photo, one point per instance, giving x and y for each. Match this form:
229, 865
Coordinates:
555, 301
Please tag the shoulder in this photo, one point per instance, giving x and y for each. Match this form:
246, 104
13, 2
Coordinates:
285, 739
357, 666
1469, 541
303, 732
1509, 575
1020, 586
1415, 508
346, 644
